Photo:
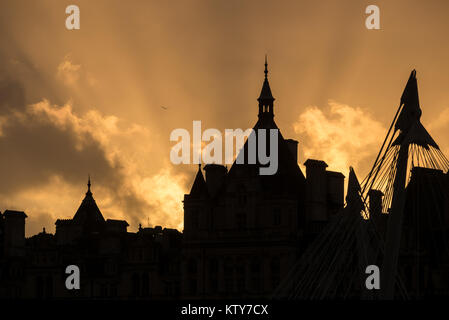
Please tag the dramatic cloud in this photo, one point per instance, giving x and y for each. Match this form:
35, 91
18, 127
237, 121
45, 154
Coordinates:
165, 191
341, 135
89, 101
49, 150
68, 71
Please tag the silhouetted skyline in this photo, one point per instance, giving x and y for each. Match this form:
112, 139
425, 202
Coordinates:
191, 59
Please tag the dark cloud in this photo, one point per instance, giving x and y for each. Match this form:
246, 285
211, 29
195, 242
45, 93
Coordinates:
12, 96
35, 149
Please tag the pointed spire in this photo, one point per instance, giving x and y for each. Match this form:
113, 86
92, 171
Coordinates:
88, 210
88, 185
266, 98
353, 197
408, 122
266, 67
199, 184
411, 111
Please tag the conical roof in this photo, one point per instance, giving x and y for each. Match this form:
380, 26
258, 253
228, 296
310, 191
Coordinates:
266, 97
88, 212
265, 93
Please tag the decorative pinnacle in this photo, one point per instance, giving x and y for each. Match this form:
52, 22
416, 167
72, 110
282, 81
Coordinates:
88, 183
266, 69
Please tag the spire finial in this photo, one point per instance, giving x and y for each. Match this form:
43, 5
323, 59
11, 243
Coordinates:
88, 183
266, 67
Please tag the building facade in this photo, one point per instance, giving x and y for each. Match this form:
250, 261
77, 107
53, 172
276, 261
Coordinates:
243, 231
113, 263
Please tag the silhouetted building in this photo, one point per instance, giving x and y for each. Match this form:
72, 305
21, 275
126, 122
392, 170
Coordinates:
424, 255
242, 234
114, 263
244, 231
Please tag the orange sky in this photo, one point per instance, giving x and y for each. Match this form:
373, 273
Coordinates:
90, 101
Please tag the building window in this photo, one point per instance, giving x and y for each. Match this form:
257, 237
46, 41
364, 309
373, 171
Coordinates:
145, 285
256, 278
277, 217
191, 267
242, 198
39, 287
192, 272
228, 277
275, 267
135, 285
103, 291
113, 291
213, 275
240, 271
195, 219
49, 287
192, 286
241, 220
212, 219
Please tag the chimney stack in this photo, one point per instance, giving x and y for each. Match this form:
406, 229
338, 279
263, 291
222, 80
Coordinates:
375, 202
316, 183
14, 228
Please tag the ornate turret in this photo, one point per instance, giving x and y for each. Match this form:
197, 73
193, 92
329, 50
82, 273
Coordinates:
266, 98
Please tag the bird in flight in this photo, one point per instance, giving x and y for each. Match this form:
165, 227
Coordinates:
165, 108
